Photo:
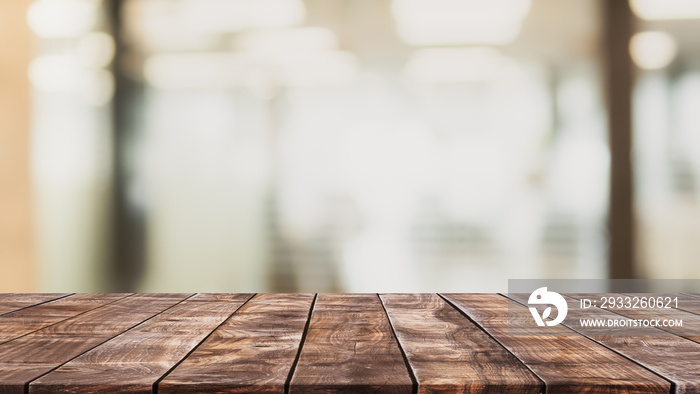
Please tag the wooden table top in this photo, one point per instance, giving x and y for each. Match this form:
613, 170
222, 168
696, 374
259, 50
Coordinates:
393, 343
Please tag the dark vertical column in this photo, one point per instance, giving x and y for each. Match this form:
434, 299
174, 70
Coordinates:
618, 24
282, 271
127, 218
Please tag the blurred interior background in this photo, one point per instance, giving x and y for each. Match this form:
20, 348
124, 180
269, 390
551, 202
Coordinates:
346, 145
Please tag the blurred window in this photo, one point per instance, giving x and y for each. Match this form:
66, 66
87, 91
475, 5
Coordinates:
666, 51
338, 145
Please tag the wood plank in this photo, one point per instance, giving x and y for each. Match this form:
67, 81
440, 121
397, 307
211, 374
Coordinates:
691, 321
349, 347
11, 302
567, 362
253, 352
24, 321
691, 303
135, 360
448, 353
675, 358
27, 358
686, 302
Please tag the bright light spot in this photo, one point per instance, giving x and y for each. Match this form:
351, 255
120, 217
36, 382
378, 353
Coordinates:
155, 26
666, 9
383, 186
54, 73
331, 68
196, 25
96, 87
653, 50
452, 22
96, 49
288, 41
578, 164
66, 74
450, 65
235, 15
62, 18
477, 178
186, 70
221, 70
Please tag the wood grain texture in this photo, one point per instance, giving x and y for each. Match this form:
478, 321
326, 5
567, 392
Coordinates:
691, 321
11, 302
689, 303
671, 356
135, 360
449, 354
253, 352
27, 358
349, 347
24, 321
230, 343
565, 361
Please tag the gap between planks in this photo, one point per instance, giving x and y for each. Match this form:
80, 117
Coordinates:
288, 382
466, 316
60, 321
411, 373
155, 384
397, 341
26, 386
37, 304
672, 383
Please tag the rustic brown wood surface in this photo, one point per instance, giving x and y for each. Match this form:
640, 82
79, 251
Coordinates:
254, 351
349, 347
14, 302
448, 353
26, 358
689, 303
24, 321
133, 361
355, 343
566, 362
651, 349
